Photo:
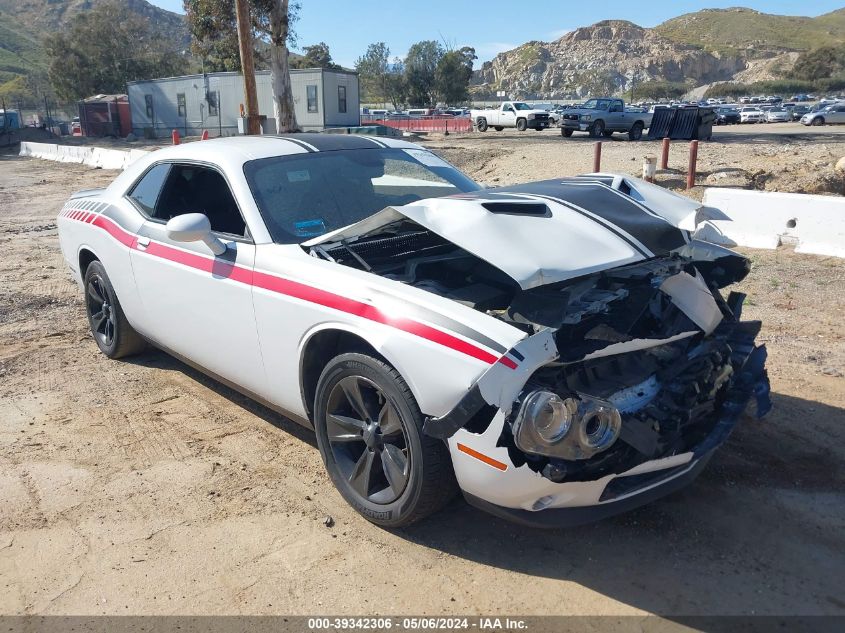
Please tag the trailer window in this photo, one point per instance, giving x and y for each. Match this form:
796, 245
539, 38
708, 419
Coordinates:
311, 93
341, 99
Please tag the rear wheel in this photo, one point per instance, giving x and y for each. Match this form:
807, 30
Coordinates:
521, 125
481, 124
369, 430
636, 132
565, 132
109, 327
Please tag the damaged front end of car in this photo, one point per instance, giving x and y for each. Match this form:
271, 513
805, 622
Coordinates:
633, 368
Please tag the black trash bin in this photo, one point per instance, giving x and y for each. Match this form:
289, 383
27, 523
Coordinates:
706, 117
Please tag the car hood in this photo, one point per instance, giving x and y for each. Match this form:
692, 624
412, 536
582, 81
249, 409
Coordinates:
543, 232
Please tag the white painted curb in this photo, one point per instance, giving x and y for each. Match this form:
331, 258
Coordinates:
99, 157
763, 219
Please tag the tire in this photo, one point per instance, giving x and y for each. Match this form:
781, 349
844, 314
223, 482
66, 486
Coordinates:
817, 121
636, 132
565, 132
106, 320
607, 133
521, 125
481, 124
498, 128
408, 475
597, 129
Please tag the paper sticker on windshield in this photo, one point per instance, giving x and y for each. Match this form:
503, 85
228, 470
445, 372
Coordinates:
299, 176
427, 158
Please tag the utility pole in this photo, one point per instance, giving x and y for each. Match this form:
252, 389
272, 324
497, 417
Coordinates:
247, 66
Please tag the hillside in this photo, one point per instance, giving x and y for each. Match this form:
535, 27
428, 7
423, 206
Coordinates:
692, 49
755, 33
25, 23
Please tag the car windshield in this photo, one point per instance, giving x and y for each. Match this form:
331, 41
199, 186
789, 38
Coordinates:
302, 196
521, 106
596, 104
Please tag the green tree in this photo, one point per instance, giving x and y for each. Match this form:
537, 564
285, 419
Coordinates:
396, 88
214, 31
420, 70
453, 73
103, 49
821, 63
656, 89
373, 68
315, 56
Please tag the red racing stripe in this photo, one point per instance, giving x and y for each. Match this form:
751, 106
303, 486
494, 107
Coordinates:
297, 290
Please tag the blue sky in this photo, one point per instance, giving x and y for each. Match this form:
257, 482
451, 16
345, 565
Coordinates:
348, 26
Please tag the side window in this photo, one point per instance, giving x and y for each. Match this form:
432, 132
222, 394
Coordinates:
341, 99
181, 106
145, 193
148, 104
311, 92
198, 189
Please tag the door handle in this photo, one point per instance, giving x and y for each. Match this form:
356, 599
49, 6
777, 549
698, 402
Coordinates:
143, 242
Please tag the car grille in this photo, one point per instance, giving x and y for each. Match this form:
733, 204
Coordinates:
541, 117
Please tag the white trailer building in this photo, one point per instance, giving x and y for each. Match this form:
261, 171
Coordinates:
211, 101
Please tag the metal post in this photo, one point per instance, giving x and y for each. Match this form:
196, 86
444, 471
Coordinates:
597, 157
693, 159
664, 159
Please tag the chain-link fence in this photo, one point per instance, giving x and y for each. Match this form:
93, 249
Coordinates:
41, 113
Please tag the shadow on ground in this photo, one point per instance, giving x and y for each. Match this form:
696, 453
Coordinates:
764, 522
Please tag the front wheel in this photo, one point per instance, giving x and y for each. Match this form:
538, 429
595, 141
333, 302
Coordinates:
481, 124
565, 132
109, 327
369, 430
597, 129
818, 121
521, 125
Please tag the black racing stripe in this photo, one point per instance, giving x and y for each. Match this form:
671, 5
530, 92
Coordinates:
605, 225
334, 142
516, 355
432, 316
655, 233
297, 143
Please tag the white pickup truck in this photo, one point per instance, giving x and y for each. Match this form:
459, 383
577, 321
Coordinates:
511, 114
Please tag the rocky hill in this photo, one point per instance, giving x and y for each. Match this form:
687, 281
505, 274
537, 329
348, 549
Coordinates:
693, 49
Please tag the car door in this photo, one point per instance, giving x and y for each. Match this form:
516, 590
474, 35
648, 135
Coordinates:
507, 115
195, 304
837, 115
616, 118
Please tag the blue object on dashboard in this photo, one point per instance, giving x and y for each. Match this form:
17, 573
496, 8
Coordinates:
310, 228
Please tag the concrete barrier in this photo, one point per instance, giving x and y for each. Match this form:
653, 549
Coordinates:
98, 157
763, 219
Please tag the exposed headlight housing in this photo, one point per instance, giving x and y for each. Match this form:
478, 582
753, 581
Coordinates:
531, 116
572, 428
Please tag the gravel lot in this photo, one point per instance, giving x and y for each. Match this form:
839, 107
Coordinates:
142, 487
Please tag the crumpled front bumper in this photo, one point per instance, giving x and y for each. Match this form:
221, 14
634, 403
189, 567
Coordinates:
491, 481
641, 486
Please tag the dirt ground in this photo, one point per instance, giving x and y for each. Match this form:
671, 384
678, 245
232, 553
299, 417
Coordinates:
142, 487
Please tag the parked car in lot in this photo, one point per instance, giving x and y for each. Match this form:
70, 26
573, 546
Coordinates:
511, 114
603, 117
727, 116
798, 111
560, 351
831, 114
751, 114
778, 115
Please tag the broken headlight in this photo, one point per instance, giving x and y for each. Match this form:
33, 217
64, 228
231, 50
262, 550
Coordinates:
576, 427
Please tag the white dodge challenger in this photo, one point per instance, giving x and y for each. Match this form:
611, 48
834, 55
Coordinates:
559, 350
